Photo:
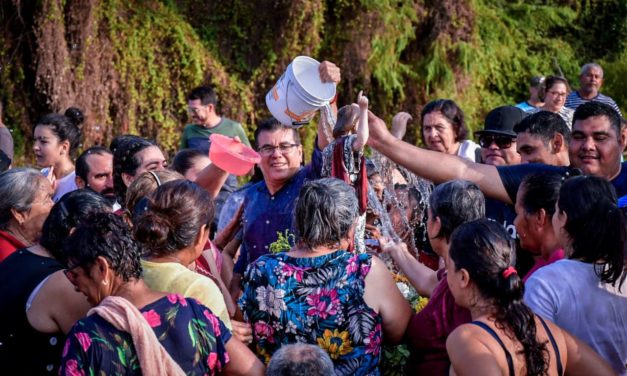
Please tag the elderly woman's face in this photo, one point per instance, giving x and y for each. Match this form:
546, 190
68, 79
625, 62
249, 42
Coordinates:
439, 134
82, 277
32, 221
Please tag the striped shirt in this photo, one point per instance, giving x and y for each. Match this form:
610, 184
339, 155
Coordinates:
565, 113
574, 100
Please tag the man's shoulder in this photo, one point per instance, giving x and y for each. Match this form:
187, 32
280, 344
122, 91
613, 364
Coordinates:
190, 129
605, 99
226, 120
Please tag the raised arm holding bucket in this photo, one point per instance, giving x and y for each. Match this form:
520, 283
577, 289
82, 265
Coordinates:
304, 88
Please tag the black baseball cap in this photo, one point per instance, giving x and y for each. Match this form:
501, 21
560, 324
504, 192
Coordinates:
501, 121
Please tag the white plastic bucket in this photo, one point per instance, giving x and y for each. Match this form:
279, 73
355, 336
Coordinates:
299, 93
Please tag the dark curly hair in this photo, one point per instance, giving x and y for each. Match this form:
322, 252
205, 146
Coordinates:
175, 214
484, 249
106, 235
66, 214
125, 149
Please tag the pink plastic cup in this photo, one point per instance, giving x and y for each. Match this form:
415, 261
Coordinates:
232, 156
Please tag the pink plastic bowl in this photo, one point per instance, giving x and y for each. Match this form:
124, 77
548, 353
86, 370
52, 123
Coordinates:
232, 156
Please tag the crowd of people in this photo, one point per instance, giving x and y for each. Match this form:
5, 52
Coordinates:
118, 262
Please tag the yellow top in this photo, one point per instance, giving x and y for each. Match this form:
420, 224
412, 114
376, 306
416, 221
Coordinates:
175, 278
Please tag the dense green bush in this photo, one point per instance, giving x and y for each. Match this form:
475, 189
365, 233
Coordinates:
130, 64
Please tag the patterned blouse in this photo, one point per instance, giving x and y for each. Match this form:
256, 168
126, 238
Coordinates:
189, 332
316, 300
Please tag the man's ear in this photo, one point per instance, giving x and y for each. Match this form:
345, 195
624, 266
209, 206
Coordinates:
557, 143
80, 183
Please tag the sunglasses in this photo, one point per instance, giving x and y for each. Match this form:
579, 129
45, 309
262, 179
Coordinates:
503, 142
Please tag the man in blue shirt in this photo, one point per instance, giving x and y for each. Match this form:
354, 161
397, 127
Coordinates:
269, 204
534, 102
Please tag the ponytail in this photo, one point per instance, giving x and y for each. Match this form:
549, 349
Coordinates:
485, 250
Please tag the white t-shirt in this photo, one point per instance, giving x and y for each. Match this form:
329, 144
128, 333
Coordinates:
569, 293
468, 150
65, 185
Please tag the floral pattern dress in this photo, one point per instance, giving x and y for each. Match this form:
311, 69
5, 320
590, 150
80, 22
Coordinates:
316, 300
193, 336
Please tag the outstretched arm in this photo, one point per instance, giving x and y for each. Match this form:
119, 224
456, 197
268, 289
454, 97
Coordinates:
435, 166
212, 178
420, 276
362, 126
329, 72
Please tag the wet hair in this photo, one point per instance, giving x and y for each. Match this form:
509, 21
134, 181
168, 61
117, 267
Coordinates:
18, 190
451, 111
143, 186
106, 235
82, 167
371, 168
65, 127
456, 202
540, 191
5, 161
125, 160
544, 125
592, 109
595, 225
185, 159
66, 214
273, 125
550, 82
347, 117
300, 359
484, 249
205, 94
325, 211
176, 212
586, 67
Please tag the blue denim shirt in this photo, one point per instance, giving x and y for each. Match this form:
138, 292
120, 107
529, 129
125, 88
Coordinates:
266, 215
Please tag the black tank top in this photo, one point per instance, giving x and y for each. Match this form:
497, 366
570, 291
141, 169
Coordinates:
508, 356
24, 350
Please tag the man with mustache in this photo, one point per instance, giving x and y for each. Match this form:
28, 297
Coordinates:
590, 81
94, 170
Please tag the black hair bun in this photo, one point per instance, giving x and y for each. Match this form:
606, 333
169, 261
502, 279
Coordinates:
75, 115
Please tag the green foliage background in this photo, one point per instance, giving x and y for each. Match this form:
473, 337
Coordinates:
129, 64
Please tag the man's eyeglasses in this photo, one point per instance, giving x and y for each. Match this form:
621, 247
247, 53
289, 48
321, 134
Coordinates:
268, 150
502, 141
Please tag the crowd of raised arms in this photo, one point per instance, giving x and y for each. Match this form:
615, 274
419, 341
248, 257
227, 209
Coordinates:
500, 257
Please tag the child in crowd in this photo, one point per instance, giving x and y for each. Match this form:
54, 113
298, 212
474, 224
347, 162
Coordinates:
344, 159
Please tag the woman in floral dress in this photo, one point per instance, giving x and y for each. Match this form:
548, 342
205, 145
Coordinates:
135, 330
319, 293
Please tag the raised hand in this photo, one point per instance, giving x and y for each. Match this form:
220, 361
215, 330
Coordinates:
399, 124
329, 72
362, 100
